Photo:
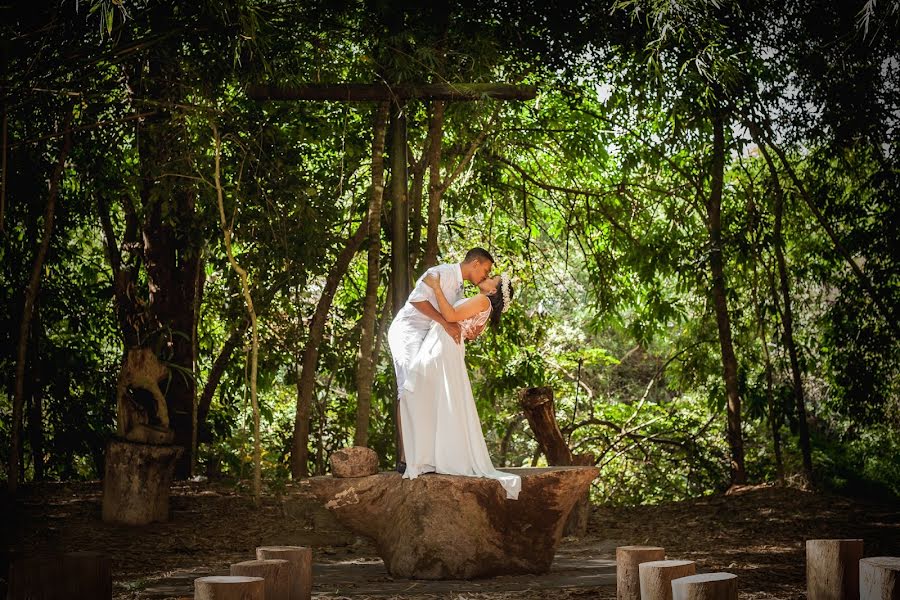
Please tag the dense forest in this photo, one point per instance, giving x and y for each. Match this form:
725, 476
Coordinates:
211, 209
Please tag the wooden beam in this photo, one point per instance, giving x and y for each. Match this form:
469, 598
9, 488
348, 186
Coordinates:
377, 92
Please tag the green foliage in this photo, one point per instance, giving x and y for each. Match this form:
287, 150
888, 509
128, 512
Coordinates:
593, 197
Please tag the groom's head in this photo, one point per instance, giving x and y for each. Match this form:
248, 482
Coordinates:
476, 265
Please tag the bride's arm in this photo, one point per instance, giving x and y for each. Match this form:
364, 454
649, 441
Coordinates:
471, 307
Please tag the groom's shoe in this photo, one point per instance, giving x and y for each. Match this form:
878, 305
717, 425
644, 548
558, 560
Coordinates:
401, 467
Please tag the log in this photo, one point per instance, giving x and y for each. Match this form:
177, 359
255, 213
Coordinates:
70, 576
537, 404
657, 575
365, 92
879, 578
136, 482
229, 587
706, 586
275, 572
832, 569
300, 559
628, 580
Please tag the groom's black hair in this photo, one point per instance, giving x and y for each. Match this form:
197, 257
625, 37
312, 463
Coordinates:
478, 254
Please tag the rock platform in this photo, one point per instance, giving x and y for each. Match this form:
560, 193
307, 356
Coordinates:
452, 527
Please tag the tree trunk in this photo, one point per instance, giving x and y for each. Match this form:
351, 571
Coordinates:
36, 412
31, 293
788, 320
171, 240
720, 302
435, 187
217, 371
365, 371
220, 364
773, 409
399, 209
309, 361
537, 404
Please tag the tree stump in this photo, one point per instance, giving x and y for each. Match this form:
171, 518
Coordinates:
34, 577
71, 576
537, 404
628, 580
87, 576
136, 482
300, 559
706, 586
879, 578
657, 575
276, 573
229, 587
832, 569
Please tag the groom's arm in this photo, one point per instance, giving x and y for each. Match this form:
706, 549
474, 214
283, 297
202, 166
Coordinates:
425, 307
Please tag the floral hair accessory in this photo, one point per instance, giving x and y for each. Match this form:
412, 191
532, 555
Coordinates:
504, 289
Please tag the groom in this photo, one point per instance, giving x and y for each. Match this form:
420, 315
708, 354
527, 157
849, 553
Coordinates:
411, 324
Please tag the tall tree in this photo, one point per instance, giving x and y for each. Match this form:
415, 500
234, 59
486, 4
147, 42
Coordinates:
366, 356
31, 293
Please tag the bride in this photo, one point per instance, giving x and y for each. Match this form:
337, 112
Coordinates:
439, 422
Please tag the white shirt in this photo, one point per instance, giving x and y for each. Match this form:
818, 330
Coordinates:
452, 286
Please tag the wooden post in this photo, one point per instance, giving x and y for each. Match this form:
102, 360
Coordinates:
879, 578
399, 207
706, 586
275, 572
628, 581
136, 482
229, 587
832, 569
300, 559
657, 575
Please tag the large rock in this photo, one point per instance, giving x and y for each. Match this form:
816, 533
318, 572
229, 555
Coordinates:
452, 527
357, 461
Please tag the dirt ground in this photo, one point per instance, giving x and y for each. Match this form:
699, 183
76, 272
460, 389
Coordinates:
756, 533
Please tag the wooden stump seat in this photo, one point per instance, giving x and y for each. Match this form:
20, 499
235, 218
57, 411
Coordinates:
300, 559
879, 578
275, 572
657, 575
69, 576
628, 580
229, 587
705, 586
832, 569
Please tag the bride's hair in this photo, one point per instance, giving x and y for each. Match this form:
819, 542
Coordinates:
496, 300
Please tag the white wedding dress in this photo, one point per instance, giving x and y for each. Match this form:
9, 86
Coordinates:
438, 419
